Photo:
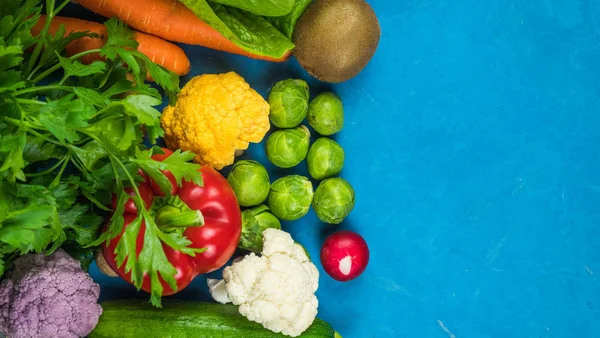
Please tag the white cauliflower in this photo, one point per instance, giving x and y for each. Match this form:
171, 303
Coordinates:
276, 289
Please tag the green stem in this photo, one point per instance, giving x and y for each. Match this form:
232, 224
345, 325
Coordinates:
139, 201
56, 180
82, 141
172, 217
64, 78
14, 122
35, 133
51, 13
57, 66
102, 111
61, 6
41, 88
24, 124
79, 165
49, 170
38, 48
172, 212
28, 101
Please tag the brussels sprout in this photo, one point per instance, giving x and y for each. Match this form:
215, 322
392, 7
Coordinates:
333, 200
254, 222
289, 103
290, 197
287, 147
250, 182
325, 158
326, 114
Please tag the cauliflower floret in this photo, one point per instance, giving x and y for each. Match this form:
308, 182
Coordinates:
48, 296
216, 115
276, 289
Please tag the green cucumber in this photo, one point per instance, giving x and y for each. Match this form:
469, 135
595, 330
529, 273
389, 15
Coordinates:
125, 318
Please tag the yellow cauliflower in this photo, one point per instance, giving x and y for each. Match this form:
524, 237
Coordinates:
215, 115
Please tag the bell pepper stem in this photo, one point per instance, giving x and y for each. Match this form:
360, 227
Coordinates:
172, 217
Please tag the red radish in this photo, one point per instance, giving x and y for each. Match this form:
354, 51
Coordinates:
344, 255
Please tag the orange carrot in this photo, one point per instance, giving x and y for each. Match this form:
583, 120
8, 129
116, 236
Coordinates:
170, 20
161, 52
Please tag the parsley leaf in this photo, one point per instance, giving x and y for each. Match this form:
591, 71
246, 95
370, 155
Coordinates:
76, 68
119, 37
10, 56
16, 20
10, 81
12, 146
37, 150
178, 164
120, 43
62, 117
24, 217
55, 44
26, 229
90, 154
117, 132
83, 227
142, 107
153, 259
91, 96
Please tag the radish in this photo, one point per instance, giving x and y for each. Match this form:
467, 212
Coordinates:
344, 255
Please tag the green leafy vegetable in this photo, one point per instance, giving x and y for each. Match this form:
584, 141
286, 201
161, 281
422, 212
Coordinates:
261, 7
251, 32
287, 23
71, 137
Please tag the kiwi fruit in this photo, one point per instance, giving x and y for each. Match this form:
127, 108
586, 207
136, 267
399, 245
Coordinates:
335, 39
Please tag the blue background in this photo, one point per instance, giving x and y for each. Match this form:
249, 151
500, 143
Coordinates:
472, 140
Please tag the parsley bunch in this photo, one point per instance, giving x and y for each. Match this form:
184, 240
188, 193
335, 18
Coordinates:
71, 136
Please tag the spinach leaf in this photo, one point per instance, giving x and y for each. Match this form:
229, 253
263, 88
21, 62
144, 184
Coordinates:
287, 23
251, 32
261, 7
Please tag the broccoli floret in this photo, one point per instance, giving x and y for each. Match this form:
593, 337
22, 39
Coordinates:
48, 296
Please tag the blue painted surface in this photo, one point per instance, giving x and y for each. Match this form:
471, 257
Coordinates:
473, 143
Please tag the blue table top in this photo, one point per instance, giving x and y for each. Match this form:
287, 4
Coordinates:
473, 143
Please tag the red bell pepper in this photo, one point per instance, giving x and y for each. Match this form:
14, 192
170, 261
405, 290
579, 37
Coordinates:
213, 223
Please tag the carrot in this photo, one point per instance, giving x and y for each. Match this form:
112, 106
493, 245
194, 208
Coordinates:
170, 20
161, 52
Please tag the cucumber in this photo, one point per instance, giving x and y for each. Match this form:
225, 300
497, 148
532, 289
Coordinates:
125, 318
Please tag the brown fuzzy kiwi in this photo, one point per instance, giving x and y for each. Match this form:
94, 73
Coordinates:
335, 39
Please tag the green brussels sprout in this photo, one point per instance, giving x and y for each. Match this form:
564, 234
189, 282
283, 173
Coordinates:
254, 222
325, 158
287, 147
250, 182
290, 197
333, 200
289, 103
326, 114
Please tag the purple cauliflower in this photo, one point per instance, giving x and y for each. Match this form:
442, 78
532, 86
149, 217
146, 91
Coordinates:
48, 296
